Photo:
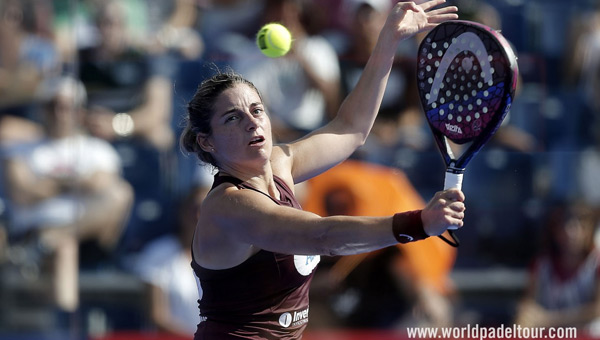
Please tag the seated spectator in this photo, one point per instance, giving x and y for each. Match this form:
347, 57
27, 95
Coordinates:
564, 282
26, 61
129, 91
164, 266
66, 188
130, 102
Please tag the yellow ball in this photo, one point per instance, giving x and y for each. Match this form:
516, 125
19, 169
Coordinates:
274, 40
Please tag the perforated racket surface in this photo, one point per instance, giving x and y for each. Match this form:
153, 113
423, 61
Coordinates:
466, 76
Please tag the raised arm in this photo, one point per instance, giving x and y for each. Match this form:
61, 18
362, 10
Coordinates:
336, 141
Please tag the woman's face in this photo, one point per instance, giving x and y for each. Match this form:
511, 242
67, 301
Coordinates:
241, 129
574, 235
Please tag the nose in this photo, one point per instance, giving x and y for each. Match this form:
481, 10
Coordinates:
252, 123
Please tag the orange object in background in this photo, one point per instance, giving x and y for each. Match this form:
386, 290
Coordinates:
365, 189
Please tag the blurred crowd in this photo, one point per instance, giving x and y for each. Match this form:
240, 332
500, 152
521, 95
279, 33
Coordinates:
93, 94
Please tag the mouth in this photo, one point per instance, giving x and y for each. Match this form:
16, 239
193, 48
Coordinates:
258, 140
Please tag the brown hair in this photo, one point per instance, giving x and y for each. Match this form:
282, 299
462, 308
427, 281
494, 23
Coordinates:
559, 213
200, 111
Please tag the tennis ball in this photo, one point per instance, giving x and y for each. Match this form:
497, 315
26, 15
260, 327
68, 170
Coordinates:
274, 40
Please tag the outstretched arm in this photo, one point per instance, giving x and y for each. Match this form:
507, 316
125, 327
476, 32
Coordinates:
237, 222
337, 140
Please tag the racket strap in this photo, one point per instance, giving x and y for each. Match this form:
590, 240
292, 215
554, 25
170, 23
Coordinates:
455, 241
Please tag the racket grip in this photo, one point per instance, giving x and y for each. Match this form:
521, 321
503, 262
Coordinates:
453, 180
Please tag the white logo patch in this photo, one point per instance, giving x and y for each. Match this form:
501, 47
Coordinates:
306, 263
285, 320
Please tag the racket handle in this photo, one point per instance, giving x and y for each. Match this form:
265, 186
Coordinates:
453, 180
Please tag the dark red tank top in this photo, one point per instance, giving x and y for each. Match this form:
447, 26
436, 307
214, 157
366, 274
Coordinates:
265, 297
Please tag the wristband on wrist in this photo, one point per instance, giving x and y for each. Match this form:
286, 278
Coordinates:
408, 227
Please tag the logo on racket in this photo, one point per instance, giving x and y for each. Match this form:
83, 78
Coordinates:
461, 81
453, 128
467, 41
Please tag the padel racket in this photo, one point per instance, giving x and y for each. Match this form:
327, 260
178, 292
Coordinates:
466, 76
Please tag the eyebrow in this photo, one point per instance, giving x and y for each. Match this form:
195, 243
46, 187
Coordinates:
233, 109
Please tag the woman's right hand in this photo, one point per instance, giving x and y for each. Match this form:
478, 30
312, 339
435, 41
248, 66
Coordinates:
409, 18
445, 209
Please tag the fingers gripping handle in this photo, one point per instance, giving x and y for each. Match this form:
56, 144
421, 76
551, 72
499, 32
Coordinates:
453, 180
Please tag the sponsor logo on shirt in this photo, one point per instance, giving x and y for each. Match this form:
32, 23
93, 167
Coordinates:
285, 320
297, 318
306, 263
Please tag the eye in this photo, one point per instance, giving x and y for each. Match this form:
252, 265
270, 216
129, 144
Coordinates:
231, 118
258, 110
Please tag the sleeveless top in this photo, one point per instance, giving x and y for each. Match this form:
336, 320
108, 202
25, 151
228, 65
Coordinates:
560, 291
265, 297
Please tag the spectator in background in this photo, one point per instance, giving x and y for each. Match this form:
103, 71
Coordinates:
224, 23
587, 167
175, 31
66, 188
582, 58
164, 265
303, 86
582, 79
130, 105
399, 123
129, 91
26, 61
564, 285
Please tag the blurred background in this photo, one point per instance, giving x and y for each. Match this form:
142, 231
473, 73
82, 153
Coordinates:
98, 202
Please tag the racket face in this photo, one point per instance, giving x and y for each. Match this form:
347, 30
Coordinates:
466, 76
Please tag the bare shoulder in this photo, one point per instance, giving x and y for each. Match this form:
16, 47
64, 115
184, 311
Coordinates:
226, 200
215, 244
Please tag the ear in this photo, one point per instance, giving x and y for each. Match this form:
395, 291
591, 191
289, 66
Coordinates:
205, 143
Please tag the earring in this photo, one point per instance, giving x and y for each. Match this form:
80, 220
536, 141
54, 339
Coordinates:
212, 149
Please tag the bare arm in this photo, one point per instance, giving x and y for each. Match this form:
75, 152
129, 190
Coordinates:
151, 120
234, 224
161, 313
337, 140
24, 187
251, 218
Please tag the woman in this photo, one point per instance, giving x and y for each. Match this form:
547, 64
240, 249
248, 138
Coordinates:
254, 249
564, 281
